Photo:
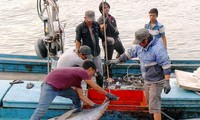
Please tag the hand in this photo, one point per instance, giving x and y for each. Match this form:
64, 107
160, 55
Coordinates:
111, 96
95, 106
102, 27
107, 21
78, 110
113, 62
167, 87
116, 32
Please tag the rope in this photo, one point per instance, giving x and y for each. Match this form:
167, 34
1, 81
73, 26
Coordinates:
106, 51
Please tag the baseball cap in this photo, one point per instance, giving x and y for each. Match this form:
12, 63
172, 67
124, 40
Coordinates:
140, 35
86, 51
90, 15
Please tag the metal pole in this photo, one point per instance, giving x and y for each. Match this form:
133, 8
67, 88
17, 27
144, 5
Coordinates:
48, 61
106, 51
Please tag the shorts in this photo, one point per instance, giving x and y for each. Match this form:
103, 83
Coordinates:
153, 95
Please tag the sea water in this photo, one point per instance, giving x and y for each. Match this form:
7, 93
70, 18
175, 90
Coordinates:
20, 25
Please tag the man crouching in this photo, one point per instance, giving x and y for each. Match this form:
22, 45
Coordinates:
66, 82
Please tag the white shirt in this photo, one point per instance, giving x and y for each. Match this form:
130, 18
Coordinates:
69, 59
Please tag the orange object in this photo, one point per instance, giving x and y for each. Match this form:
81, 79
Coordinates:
129, 100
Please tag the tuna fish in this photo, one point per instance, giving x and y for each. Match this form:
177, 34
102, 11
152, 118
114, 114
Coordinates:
88, 114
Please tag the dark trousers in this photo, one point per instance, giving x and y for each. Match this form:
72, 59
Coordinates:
110, 49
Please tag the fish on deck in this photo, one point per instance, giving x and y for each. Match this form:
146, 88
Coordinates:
88, 114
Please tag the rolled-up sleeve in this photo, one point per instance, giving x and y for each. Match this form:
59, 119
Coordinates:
162, 30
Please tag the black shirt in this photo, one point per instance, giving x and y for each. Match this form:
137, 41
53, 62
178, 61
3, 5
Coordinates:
111, 29
84, 37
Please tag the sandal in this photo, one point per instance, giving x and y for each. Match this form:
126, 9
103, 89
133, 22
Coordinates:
16, 82
29, 85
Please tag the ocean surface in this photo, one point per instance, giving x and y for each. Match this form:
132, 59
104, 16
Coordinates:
20, 25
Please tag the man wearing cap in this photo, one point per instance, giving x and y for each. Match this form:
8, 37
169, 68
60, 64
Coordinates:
73, 58
88, 33
155, 63
66, 82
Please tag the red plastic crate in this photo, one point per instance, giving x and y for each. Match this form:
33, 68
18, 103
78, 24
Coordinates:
129, 100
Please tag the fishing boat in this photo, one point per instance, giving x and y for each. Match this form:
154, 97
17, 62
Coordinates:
18, 72
18, 102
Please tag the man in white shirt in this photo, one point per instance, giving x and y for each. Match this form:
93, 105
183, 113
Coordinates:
73, 58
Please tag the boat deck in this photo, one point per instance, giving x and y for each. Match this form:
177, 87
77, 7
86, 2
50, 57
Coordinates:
17, 101
20, 102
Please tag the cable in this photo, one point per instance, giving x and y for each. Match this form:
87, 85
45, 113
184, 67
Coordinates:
128, 70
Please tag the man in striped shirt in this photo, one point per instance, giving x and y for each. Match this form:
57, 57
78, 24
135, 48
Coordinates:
156, 28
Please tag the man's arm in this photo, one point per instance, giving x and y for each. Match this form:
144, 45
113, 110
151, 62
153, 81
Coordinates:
78, 44
101, 35
83, 97
167, 77
100, 90
122, 58
100, 21
164, 41
78, 36
162, 32
164, 61
102, 27
96, 87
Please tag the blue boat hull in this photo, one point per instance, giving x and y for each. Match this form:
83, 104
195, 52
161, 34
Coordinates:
17, 102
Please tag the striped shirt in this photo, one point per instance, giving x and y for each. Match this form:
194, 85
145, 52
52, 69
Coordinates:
158, 30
